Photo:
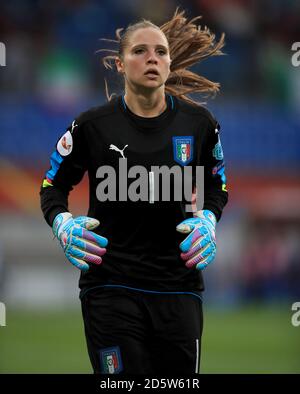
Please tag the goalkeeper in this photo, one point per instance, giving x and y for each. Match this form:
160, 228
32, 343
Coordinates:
141, 262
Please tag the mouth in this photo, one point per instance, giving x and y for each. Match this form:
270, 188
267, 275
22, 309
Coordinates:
152, 73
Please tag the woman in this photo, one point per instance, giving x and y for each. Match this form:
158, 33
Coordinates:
141, 280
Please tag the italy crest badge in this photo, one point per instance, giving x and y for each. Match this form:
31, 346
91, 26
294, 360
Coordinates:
183, 149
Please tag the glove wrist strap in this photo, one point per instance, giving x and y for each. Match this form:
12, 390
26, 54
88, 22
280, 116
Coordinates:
58, 221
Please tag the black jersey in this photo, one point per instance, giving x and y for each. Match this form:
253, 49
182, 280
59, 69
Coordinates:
143, 250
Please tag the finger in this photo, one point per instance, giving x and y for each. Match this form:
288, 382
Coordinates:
203, 264
93, 237
187, 243
89, 236
87, 222
200, 243
187, 225
88, 246
200, 256
80, 264
88, 257
184, 228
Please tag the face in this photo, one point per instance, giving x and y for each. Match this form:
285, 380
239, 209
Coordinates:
146, 60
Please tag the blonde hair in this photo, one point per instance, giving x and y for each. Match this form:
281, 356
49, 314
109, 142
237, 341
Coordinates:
188, 44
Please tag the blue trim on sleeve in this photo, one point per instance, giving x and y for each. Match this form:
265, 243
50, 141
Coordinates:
55, 160
143, 291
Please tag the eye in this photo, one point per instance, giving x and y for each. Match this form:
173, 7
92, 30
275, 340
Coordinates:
162, 52
138, 51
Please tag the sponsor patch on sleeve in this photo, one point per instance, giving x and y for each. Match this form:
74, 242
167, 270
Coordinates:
65, 144
218, 151
218, 168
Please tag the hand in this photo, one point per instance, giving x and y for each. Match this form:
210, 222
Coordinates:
80, 245
199, 247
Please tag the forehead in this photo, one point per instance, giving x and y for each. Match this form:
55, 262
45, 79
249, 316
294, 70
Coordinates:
148, 36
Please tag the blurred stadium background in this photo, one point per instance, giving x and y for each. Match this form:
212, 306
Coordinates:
52, 74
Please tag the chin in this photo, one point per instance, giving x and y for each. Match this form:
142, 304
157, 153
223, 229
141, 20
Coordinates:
151, 85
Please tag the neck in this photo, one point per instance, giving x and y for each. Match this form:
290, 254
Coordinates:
146, 105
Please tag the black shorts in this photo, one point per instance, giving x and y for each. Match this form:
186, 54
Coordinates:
136, 332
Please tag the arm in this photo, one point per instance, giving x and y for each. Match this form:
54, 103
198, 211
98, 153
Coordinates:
68, 165
199, 247
215, 192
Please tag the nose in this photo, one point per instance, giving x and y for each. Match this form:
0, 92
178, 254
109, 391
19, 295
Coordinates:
152, 57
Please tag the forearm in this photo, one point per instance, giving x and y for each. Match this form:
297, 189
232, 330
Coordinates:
53, 201
215, 202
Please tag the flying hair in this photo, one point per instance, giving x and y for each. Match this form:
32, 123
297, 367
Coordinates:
189, 44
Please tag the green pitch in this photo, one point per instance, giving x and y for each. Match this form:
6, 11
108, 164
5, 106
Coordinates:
251, 340
248, 340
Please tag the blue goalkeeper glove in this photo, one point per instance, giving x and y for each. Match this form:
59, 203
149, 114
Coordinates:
199, 247
80, 245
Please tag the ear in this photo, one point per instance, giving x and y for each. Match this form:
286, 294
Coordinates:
119, 65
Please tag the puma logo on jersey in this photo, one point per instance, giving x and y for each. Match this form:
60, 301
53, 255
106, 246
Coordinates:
114, 147
73, 126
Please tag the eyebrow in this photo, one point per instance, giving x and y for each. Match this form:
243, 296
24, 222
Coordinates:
145, 45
